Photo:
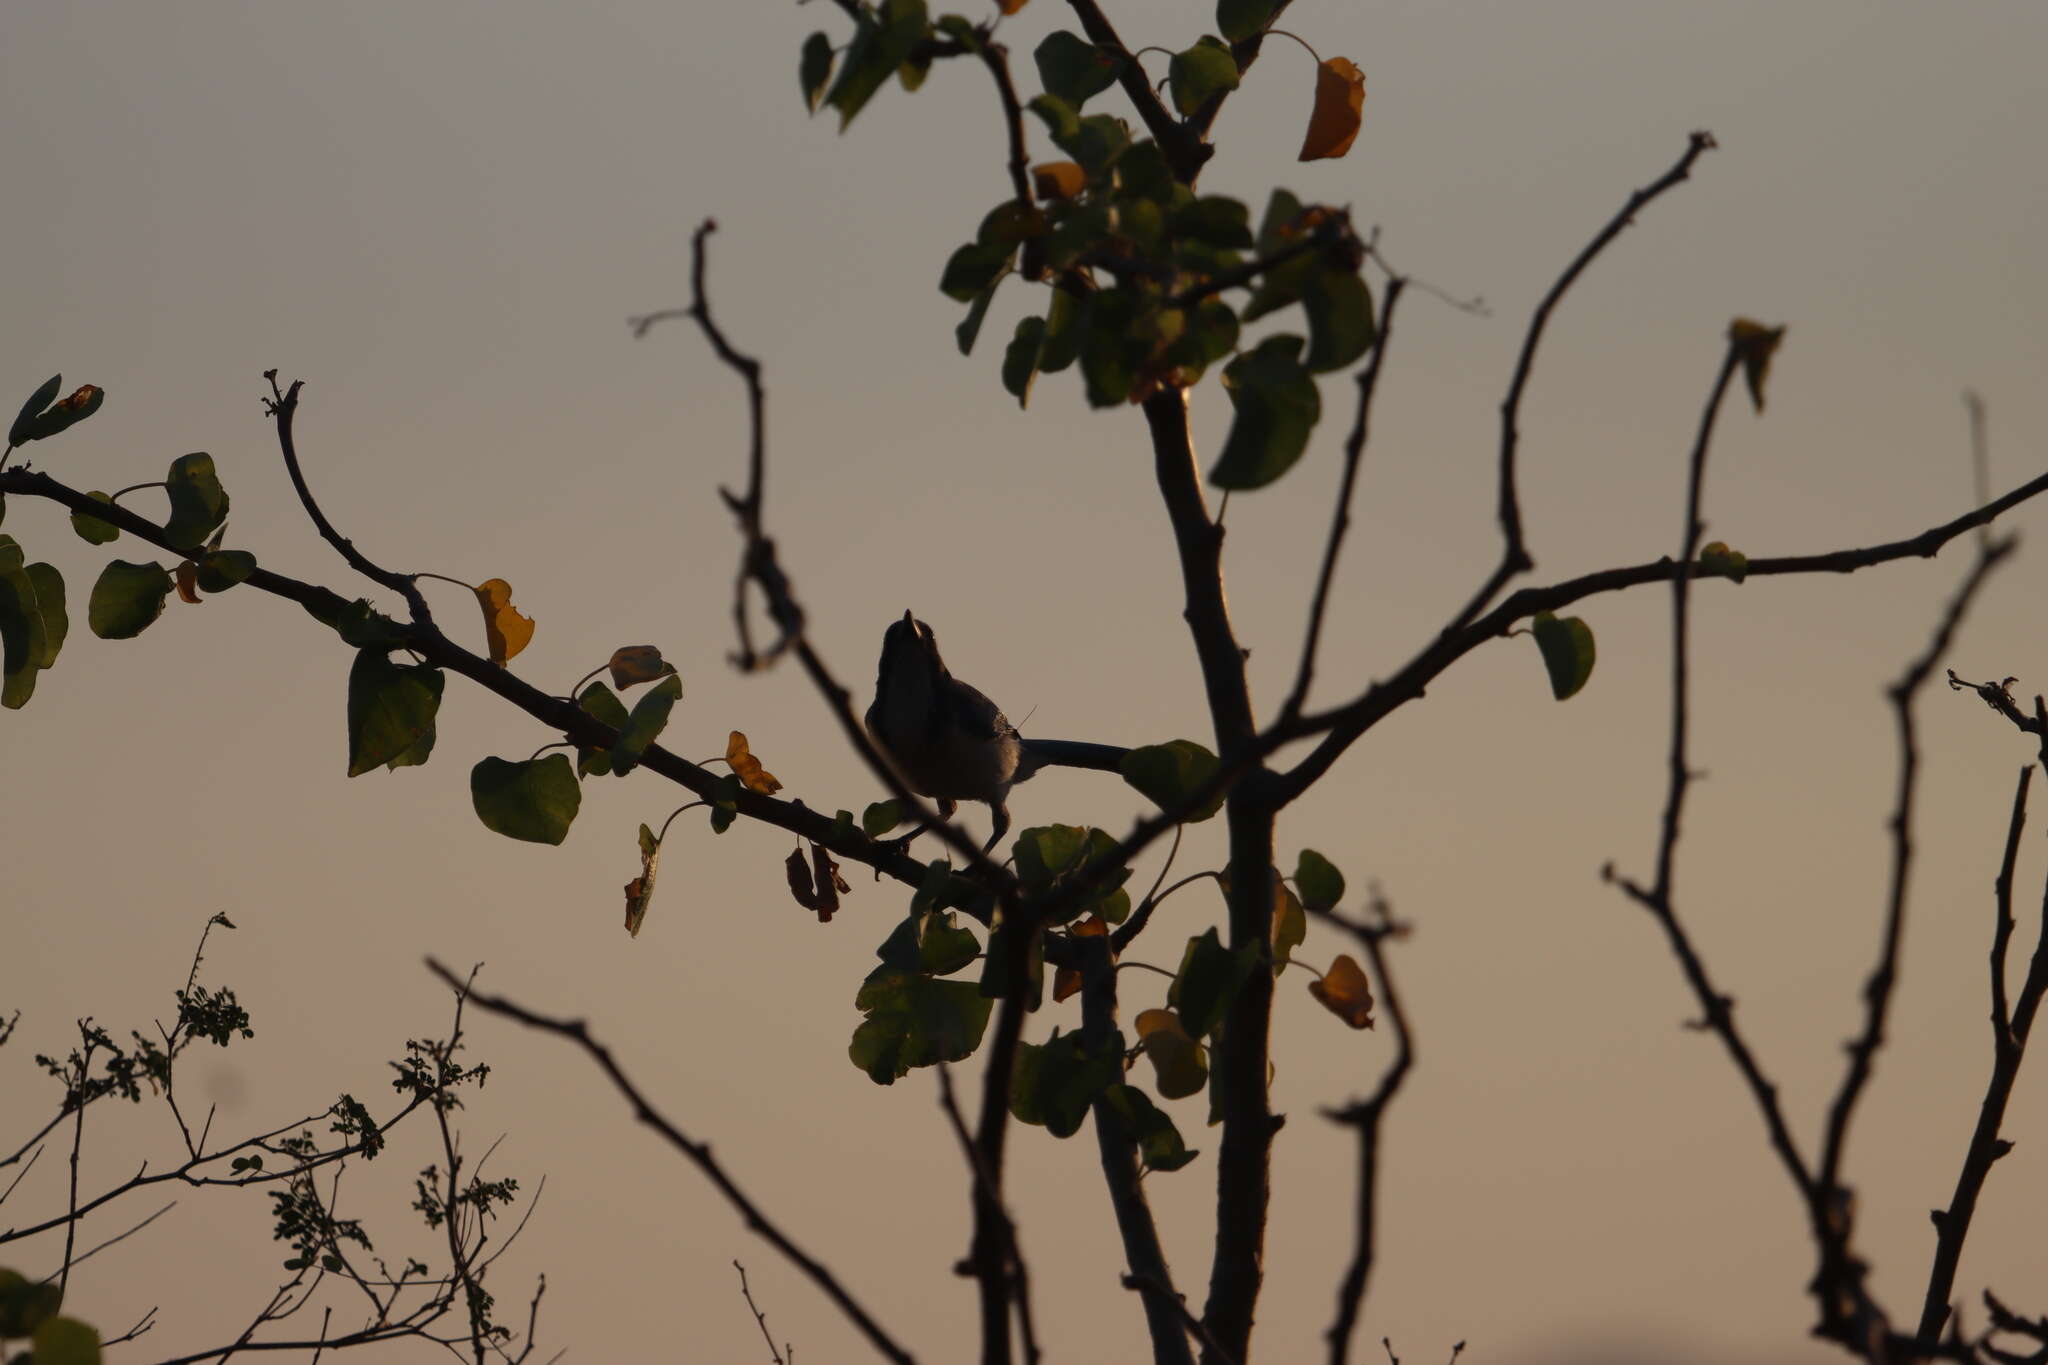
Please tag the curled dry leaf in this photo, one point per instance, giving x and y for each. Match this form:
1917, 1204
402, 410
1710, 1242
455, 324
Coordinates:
186, 575
1339, 109
816, 883
506, 632
1345, 992
632, 664
756, 777
1754, 345
640, 890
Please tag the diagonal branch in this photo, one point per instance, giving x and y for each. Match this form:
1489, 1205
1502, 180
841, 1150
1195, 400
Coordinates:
698, 1153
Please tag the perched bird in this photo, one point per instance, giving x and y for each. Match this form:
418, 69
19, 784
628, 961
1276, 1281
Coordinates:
946, 739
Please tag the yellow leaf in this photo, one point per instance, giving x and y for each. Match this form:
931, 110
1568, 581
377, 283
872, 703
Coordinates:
1345, 992
1181, 1064
1290, 922
1340, 104
506, 632
640, 890
1058, 180
756, 777
1754, 345
1011, 6
187, 577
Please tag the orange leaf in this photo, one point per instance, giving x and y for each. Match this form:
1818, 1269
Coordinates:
506, 632
1182, 1066
640, 890
1011, 6
1345, 992
1340, 102
1066, 983
637, 664
187, 577
1058, 180
756, 777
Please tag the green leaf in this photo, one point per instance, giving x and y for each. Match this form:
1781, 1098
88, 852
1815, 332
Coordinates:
356, 623
19, 433
535, 800
1096, 142
603, 704
1049, 854
49, 586
1020, 358
66, 1341
1567, 647
1054, 1083
1200, 73
223, 569
1208, 980
1216, 220
814, 70
1065, 326
65, 412
391, 710
1277, 407
198, 502
91, 529
974, 268
25, 1305
916, 1021
1159, 1142
1168, 774
1062, 120
1238, 20
1072, 70
1142, 174
970, 326
1340, 318
126, 599
881, 817
882, 42
645, 724
1317, 878
24, 638
725, 803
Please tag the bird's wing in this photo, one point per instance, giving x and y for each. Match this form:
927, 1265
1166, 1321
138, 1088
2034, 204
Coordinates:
975, 714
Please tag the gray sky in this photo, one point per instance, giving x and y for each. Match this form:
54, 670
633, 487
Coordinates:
439, 217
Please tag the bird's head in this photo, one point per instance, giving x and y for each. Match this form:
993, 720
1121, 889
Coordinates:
909, 645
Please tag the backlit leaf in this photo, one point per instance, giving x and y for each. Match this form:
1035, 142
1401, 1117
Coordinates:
126, 599
66, 1341
1159, 1142
756, 777
391, 711
1277, 407
91, 529
1345, 992
1021, 357
18, 433
535, 800
506, 632
1072, 70
1290, 924
881, 817
82, 403
1717, 558
1320, 883
1339, 108
1196, 75
603, 704
1169, 774
633, 664
1238, 20
198, 502
1058, 180
1568, 651
223, 569
1340, 318
882, 42
1180, 1064
814, 70
974, 268
644, 724
1055, 1083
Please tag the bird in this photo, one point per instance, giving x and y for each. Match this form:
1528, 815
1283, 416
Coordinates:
945, 738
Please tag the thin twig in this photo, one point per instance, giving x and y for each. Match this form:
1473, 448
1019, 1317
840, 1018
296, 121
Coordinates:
699, 1154
760, 1318
1013, 1252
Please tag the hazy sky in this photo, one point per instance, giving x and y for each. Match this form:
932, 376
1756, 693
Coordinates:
439, 216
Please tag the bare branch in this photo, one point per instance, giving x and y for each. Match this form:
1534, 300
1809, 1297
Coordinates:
699, 1154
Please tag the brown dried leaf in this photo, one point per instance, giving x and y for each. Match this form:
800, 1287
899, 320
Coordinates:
1339, 109
815, 882
756, 777
1345, 992
640, 890
187, 578
637, 664
506, 632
